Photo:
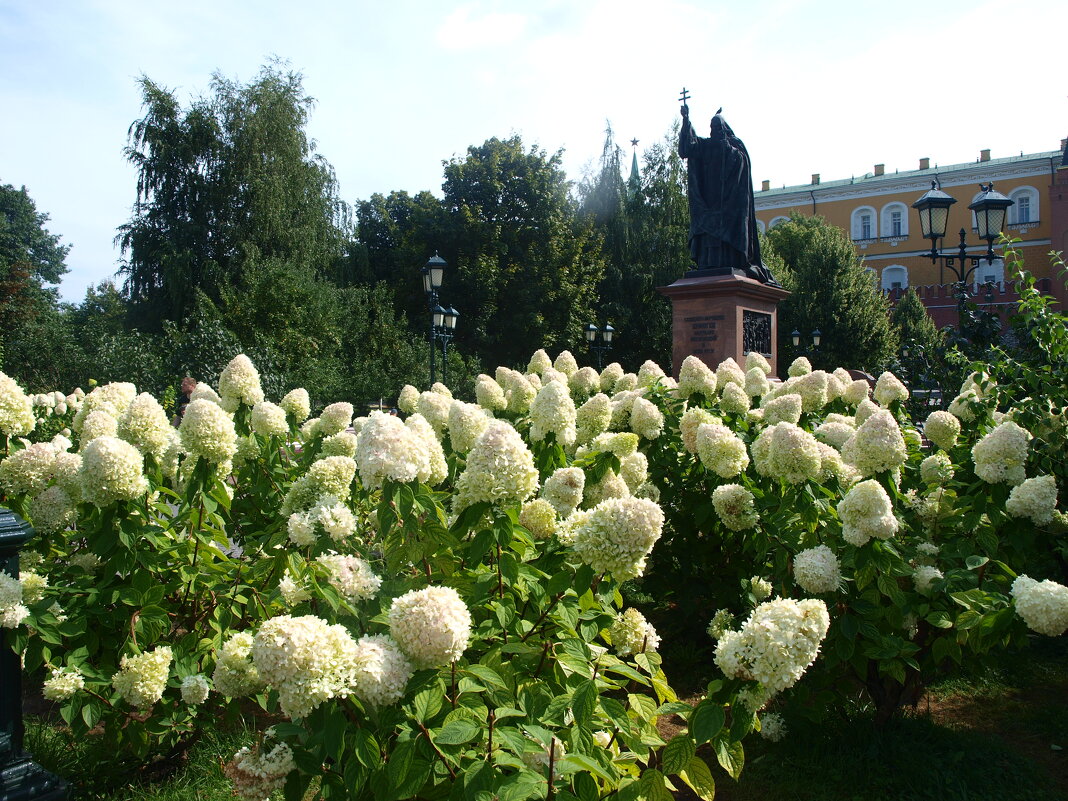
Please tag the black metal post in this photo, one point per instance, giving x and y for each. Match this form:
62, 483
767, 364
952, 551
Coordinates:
21, 779
433, 333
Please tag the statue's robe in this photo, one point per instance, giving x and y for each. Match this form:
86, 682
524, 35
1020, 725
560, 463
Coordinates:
723, 233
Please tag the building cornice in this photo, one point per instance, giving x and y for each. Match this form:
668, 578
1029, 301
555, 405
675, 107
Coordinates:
916, 181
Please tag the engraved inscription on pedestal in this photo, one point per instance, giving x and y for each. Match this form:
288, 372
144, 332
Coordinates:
702, 332
756, 332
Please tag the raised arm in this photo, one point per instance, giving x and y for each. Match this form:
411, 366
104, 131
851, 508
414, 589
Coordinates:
687, 136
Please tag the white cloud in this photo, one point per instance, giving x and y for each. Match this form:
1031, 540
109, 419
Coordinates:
467, 28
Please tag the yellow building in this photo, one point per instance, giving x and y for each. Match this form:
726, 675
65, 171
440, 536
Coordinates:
876, 210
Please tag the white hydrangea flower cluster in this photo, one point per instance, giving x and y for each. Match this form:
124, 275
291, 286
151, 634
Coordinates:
63, 684
12, 609
721, 450
553, 412
856, 392
500, 469
563, 490
728, 371
297, 405
566, 363
539, 518
434, 407
835, 430
787, 452
888, 389
432, 626
258, 773
53, 510
235, 676
489, 394
28, 471
538, 761
1035, 498
240, 383
98, 423
692, 420
208, 432
33, 586
519, 393
195, 689
721, 622
142, 678
112, 470
306, 660
756, 382
16, 409
1000, 456
293, 591
877, 446
761, 588
433, 469
696, 378
382, 670
735, 399
351, 576
646, 420
584, 382
610, 376
936, 469
341, 444
813, 388
388, 449
146, 427
593, 418
866, 512
539, 362
408, 399
776, 644
772, 727
631, 633
335, 418
649, 373
617, 536
467, 421
1043, 605
817, 570
735, 506
269, 420
942, 428
924, 577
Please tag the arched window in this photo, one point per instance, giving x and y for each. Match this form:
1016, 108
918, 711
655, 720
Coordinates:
895, 220
895, 277
778, 221
863, 224
1025, 205
760, 226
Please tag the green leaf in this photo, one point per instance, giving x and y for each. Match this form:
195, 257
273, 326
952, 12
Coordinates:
427, 702
457, 732
975, 562
699, 779
678, 753
653, 787
731, 757
706, 721
487, 675
584, 702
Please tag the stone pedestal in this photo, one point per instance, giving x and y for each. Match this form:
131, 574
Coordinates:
717, 316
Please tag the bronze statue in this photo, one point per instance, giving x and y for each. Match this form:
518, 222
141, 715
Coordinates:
723, 232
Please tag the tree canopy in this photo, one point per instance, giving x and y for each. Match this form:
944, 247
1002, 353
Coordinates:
832, 291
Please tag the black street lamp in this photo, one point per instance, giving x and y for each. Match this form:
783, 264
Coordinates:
990, 208
795, 339
433, 274
21, 779
445, 333
591, 331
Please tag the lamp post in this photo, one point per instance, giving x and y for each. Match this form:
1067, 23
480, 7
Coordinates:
445, 333
990, 208
795, 339
591, 331
21, 779
433, 273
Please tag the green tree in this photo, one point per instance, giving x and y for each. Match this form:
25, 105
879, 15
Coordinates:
832, 291
225, 186
30, 258
526, 264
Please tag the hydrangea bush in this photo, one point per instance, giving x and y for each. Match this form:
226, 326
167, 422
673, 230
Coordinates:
420, 607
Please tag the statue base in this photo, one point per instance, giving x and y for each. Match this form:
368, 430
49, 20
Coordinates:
25, 780
719, 314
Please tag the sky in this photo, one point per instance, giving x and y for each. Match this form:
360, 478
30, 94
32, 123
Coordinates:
811, 87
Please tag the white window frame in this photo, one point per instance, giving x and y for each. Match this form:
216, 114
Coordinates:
894, 274
856, 224
887, 219
1032, 196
